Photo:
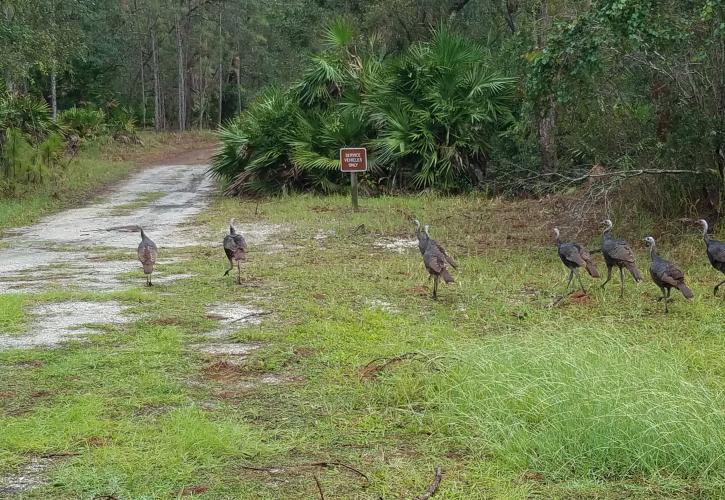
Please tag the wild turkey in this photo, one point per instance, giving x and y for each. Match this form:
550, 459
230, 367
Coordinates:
236, 249
715, 252
422, 237
436, 262
147, 255
665, 274
618, 253
574, 256
424, 240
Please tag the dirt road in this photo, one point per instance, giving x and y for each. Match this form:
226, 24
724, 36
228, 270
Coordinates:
88, 248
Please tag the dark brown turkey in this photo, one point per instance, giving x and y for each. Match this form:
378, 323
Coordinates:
236, 250
574, 256
665, 274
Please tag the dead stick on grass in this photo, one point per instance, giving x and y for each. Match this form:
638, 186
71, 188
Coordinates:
319, 487
327, 465
370, 369
60, 454
247, 316
331, 465
433, 486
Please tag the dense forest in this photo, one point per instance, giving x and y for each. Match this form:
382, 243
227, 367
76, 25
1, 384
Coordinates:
516, 96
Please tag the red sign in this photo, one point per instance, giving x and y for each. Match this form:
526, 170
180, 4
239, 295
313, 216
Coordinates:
353, 159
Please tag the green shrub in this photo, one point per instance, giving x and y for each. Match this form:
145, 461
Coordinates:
254, 150
29, 115
84, 122
438, 111
426, 118
16, 152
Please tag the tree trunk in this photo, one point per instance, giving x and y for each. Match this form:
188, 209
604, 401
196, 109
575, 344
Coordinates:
221, 68
158, 115
457, 6
547, 137
143, 93
508, 11
181, 83
238, 71
53, 95
8, 74
720, 162
547, 113
54, 69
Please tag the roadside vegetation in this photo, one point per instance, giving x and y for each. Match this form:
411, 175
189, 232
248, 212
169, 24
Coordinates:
510, 390
74, 178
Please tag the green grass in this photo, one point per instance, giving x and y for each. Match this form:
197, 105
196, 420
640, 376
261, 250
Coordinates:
12, 314
81, 177
141, 201
511, 393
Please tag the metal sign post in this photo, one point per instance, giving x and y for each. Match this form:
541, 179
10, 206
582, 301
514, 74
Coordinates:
353, 160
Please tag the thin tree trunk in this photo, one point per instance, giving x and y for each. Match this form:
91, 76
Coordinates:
547, 112
547, 137
53, 95
53, 72
454, 9
143, 93
508, 13
182, 85
221, 68
238, 72
158, 116
8, 74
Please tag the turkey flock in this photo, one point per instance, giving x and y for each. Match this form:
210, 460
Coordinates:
616, 252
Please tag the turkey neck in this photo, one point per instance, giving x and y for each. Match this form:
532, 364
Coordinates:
653, 253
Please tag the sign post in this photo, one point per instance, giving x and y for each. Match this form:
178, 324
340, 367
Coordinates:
353, 160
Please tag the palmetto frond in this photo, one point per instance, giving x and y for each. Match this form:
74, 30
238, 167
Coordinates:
338, 34
425, 116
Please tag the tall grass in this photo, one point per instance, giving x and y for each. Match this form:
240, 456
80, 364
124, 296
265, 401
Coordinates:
580, 405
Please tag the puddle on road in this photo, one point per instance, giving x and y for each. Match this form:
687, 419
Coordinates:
53, 323
30, 476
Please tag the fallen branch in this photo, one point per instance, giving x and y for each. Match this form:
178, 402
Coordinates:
619, 173
332, 465
319, 487
371, 369
60, 454
288, 468
252, 315
433, 486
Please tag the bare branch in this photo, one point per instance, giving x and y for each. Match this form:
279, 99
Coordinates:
622, 173
433, 486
